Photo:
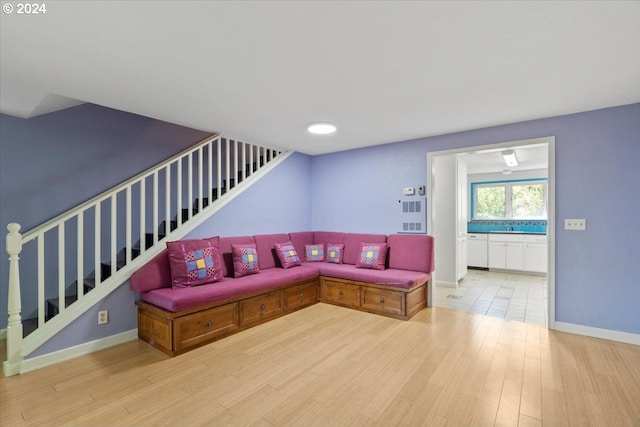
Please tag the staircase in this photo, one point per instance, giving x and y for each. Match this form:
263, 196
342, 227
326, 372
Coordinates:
165, 202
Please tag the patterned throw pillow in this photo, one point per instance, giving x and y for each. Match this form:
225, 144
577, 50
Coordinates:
245, 260
314, 252
194, 262
287, 254
372, 255
335, 253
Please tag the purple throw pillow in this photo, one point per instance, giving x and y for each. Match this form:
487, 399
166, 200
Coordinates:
194, 262
372, 255
245, 260
335, 253
314, 253
287, 254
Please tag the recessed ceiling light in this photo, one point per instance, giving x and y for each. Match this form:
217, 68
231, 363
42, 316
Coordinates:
321, 128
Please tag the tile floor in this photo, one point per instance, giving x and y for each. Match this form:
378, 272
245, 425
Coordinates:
509, 296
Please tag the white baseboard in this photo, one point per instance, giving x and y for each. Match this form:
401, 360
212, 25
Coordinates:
78, 350
3, 334
446, 284
607, 334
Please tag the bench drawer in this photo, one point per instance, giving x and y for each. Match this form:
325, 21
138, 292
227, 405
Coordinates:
383, 301
299, 296
261, 307
204, 326
338, 292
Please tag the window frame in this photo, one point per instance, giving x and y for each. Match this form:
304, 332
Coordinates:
508, 184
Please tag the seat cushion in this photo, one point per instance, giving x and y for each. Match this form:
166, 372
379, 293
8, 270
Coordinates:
178, 299
397, 278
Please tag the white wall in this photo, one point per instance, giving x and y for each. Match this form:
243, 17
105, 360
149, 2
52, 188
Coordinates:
444, 218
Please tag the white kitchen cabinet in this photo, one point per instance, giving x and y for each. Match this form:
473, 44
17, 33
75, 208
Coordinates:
518, 252
477, 250
506, 252
535, 254
515, 256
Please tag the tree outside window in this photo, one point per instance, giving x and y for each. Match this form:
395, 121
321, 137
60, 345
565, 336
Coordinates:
509, 200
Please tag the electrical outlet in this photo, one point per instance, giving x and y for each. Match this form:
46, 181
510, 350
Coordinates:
103, 317
575, 224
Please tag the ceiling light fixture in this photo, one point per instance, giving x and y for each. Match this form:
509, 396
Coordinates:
321, 128
510, 158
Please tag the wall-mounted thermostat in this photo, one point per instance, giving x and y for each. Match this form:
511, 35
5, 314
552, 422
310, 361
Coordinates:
409, 191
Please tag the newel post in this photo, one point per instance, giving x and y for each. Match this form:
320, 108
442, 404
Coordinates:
14, 327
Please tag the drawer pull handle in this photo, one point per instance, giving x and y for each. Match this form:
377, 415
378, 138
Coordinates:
381, 300
301, 294
209, 324
262, 307
341, 293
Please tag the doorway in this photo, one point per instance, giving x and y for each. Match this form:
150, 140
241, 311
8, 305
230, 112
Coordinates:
444, 223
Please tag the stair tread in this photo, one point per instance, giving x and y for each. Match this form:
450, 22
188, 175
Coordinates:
68, 300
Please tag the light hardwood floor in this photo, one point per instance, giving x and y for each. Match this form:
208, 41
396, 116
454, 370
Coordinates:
331, 366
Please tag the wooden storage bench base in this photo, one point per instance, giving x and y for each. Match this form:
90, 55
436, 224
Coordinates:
388, 301
176, 333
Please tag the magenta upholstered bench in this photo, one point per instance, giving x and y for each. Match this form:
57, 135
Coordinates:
390, 275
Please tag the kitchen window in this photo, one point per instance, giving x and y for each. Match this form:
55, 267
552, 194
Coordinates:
515, 199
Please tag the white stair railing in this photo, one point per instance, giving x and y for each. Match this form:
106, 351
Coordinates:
99, 235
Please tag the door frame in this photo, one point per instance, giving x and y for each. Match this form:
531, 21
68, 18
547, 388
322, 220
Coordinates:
551, 206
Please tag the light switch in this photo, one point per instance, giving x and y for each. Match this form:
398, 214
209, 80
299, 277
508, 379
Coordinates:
575, 224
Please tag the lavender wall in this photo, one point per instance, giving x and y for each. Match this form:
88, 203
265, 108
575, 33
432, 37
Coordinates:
278, 203
597, 164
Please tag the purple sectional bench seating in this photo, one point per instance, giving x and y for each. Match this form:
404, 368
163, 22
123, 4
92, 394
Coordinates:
390, 276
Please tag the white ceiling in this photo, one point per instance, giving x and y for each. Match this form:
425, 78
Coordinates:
381, 71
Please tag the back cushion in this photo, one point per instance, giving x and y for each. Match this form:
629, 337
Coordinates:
299, 240
411, 252
353, 244
265, 244
328, 237
227, 255
155, 274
